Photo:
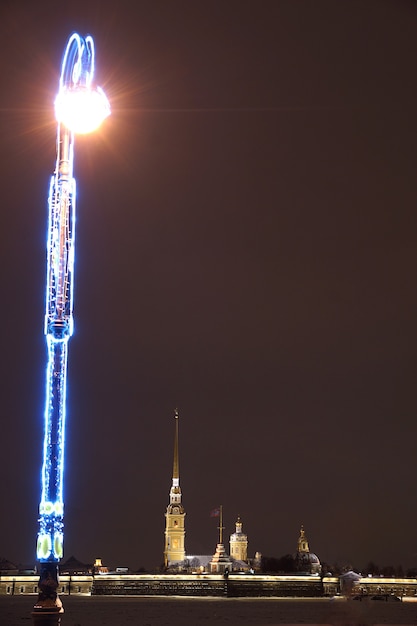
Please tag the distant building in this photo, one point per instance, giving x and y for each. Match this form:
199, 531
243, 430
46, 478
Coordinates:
7, 567
175, 557
221, 562
239, 548
306, 562
73, 566
99, 568
198, 563
174, 552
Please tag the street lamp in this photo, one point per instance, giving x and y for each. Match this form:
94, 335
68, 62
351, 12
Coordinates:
80, 107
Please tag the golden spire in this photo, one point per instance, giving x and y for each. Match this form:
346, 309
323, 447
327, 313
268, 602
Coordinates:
175, 493
174, 552
176, 468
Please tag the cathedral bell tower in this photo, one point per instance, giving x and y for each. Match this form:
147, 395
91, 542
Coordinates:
306, 561
239, 543
302, 542
174, 553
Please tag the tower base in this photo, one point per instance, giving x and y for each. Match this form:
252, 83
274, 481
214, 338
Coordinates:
48, 608
46, 616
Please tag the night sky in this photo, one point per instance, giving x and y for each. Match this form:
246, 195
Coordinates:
245, 251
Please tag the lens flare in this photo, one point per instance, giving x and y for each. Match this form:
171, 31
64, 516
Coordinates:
81, 110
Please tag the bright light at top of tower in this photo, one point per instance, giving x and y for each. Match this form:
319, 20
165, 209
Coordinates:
82, 110
79, 105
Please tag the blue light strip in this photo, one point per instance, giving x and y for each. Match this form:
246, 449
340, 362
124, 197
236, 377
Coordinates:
58, 330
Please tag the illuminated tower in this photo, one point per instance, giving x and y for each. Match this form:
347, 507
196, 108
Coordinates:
302, 542
174, 553
306, 561
80, 108
239, 543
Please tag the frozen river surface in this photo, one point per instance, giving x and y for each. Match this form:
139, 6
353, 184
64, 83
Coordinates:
179, 611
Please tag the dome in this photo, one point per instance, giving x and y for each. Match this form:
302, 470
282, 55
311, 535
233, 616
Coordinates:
306, 561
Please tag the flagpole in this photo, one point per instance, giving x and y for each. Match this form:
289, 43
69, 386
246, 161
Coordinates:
221, 525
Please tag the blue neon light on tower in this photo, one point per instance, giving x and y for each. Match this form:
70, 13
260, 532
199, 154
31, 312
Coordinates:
80, 107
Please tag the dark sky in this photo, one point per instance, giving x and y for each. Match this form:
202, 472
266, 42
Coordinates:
246, 252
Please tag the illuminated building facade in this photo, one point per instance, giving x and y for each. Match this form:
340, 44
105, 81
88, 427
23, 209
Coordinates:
239, 543
174, 552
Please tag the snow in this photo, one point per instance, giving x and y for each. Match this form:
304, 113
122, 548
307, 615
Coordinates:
176, 611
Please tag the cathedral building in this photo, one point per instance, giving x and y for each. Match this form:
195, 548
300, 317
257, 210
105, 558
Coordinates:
306, 562
175, 557
174, 552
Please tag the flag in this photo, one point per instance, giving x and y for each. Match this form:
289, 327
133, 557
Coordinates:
215, 513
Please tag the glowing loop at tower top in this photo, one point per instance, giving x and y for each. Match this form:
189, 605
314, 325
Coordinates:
80, 105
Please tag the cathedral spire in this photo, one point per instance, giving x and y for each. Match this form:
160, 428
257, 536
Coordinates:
175, 493
176, 468
174, 553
